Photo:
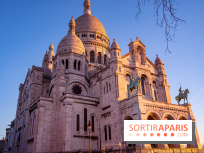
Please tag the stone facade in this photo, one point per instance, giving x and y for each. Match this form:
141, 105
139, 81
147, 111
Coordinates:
87, 81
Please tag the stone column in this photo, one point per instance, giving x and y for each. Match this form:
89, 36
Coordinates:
68, 126
39, 135
151, 91
96, 56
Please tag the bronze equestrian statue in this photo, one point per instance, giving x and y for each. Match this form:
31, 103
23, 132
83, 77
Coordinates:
182, 95
134, 84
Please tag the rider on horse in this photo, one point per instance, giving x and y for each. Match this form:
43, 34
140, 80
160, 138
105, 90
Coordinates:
132, 81
181, 92
182, 95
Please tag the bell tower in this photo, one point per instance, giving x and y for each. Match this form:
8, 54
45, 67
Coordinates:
164, 86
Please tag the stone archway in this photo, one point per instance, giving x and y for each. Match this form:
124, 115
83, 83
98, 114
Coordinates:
128, 118
169, 117
153, 116
182, 118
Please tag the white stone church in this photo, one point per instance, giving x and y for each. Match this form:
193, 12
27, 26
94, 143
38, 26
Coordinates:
85, 81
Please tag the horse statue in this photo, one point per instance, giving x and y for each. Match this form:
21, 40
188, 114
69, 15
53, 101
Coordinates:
182, 95
134, 84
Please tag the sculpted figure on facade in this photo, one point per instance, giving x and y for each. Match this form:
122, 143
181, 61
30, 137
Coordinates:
182, 95
134, 84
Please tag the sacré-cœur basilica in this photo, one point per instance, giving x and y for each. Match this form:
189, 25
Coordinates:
84, 82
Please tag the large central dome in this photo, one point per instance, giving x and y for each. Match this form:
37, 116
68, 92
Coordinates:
88, 22
89, 29
94, 38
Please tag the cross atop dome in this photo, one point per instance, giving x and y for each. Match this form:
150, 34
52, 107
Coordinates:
87, 7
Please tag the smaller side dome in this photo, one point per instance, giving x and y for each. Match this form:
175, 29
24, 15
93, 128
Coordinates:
71, 42
114, 45
158, 60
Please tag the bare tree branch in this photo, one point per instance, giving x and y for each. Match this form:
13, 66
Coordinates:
165, 13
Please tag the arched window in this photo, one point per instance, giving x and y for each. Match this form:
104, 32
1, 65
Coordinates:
92, 123
106, 87
109, 87
79, 64
182, 118
92, 57
99, 58
109, 128
128, 118
77, 122
86, 53
155, 90
168, 117
105, 60
85, 119
105, 131
141, 57
155, 95
84, 35
75, 63
67, 64
63, 62
92, 35
153, 116
143, 85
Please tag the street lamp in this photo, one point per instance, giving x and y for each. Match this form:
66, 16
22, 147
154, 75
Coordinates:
89, 127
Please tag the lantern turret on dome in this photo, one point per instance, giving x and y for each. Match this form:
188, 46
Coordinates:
51, 53
87, 7
72, 26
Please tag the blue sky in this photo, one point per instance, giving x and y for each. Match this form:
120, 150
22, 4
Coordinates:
28, 27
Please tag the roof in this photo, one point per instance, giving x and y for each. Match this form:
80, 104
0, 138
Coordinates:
88, 22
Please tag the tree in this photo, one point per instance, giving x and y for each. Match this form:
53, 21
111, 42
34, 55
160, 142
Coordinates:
165, 12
